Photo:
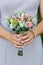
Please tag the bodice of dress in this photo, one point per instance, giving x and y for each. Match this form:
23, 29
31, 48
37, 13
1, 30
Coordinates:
8, 53
8, 6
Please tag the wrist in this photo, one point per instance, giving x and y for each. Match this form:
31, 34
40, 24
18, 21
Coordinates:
8, 36
34, 33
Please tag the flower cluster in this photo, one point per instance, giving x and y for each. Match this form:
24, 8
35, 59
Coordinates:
20, 22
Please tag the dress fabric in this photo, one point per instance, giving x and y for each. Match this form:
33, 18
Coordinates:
8, 53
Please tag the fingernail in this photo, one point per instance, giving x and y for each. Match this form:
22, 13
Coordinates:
18, 35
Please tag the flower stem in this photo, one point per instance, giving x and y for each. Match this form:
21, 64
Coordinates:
20, 52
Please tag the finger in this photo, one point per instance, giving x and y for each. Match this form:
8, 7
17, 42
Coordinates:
22, 34
17, 39
16, 35
19, 35
17, 46
25, 33
24, 37
29, 42
16, 42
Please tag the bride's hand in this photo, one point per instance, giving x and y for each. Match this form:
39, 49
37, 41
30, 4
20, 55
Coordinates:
11, 37
14, 39
27, 37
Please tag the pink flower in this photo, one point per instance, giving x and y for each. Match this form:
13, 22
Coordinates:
22, 18
30, 24
26, 15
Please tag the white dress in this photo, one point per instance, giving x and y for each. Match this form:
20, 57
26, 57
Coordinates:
8, 53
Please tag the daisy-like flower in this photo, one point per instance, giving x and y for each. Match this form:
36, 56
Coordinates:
21, 24
30, 24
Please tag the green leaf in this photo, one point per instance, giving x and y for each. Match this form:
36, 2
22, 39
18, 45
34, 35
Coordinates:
31, 18
8, 20
17, 29
21, 32
14, 22
26, 27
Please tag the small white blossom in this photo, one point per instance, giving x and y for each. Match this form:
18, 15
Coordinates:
11, 26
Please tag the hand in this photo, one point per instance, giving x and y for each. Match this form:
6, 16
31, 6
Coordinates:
11, 37
27, 37
15, 41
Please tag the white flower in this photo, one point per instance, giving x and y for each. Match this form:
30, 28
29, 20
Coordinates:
22, 14
19, 21
11, 26
21, 24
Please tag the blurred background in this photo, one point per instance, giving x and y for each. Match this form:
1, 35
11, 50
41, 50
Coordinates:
39, 18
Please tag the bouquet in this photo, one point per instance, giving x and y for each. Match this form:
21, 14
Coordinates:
18, 23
